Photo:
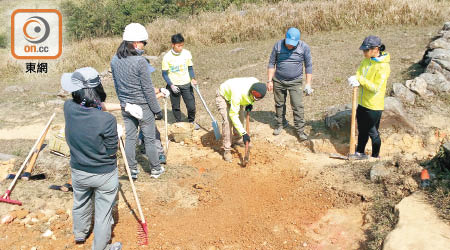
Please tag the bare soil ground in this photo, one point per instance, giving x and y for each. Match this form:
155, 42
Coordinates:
287, 198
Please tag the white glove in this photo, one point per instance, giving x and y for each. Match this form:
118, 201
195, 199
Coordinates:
308, 90
119, 131
175, 89
165, 91
134, 110
352, 81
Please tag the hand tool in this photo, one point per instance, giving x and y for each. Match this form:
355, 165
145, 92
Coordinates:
214, 121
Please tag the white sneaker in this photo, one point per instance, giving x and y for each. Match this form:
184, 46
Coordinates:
156, 173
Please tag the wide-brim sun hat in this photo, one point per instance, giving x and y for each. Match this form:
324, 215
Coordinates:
80, 79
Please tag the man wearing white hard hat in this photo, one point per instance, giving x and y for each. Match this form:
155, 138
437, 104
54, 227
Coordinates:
131, 73
285, 74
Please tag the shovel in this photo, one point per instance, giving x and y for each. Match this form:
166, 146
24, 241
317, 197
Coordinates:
247, 149
214, 122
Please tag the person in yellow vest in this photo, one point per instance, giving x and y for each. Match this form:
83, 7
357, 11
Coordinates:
371, 78
178, 72
231, 95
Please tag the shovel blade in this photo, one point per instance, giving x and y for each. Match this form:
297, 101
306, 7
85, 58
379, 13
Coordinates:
247, 155
216, 130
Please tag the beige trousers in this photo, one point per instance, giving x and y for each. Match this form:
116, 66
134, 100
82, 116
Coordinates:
224, 108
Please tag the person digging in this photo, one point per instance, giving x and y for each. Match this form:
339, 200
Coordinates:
230, 97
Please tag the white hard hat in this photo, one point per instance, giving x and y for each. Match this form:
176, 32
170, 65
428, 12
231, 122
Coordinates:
135, 32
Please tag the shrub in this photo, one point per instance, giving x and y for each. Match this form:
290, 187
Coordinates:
3, 41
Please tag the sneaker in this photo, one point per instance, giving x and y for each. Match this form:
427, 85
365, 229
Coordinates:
134, 174
196, 126
80, 240
116, 246
302, 137
278, 130
359, 156
162, 159
227, 156
155, 173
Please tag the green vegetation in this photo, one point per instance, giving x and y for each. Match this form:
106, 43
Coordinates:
3, 41
89, 18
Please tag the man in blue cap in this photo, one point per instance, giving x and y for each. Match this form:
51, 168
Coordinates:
285, 73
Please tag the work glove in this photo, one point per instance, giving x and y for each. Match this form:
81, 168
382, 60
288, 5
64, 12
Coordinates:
165, 91
159, 115
119, 131
308, 90
246, 138
353, 82
175, 89
248, 108
134, 110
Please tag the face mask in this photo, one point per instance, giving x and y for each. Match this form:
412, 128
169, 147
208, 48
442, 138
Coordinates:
139, 51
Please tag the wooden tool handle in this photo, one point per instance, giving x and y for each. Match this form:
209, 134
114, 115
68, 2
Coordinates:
13, 183
35, 155
127, 168
247, 127
353, 121
166, 126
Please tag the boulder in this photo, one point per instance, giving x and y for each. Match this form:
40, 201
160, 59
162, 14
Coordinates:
394, 115
439, 66
399, 90
378, 172
436, 82
418, 227
338, 119
440, 54
326, 146
446, 26
418, 86
181, 131
441, 43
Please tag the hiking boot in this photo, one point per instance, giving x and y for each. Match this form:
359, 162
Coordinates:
196, 126
227, 156
116, 246
162, 159
278, 130
302, 137
155, 173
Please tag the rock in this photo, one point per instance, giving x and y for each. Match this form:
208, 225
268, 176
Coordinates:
436, 82
326, 146
14, 88
62, 93
378, 172
394, 115
7, 219
446, 26
20, 214
418, 227
410, 184
440, 43
439, 66
418, 86
338, 120
56, 102
47, 233
440, 54
236, 50
399, 90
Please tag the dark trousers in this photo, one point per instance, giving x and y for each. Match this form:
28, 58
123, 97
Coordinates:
368, 124
187, 92
280, 92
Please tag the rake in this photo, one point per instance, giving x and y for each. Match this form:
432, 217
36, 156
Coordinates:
6, 197
142, 229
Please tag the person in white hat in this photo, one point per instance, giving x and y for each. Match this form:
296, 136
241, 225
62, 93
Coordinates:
131, 73
92, 137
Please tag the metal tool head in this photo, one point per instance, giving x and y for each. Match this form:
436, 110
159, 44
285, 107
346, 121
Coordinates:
216, 130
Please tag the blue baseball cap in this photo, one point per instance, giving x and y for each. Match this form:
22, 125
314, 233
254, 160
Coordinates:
370, 42
292, 36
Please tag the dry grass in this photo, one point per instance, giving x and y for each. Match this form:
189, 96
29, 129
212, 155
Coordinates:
252, 23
